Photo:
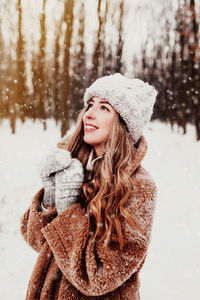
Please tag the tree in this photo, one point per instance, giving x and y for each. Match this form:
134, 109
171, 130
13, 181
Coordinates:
21, 72
118, 67
65, 98
97, 49
78, 78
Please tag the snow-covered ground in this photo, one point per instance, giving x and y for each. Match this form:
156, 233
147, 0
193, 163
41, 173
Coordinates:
172, 268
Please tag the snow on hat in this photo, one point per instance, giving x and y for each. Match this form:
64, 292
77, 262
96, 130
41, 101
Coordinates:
133, 99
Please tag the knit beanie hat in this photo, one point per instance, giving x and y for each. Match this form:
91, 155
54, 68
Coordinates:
133, 99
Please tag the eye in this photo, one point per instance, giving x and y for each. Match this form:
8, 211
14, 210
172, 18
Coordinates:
104, 108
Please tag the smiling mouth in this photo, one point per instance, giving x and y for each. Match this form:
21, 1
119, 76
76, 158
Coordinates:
90, 128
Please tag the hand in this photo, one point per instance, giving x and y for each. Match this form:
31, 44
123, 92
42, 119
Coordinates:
68, 185
55, 161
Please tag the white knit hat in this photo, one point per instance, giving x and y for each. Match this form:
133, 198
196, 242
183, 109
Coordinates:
133, 99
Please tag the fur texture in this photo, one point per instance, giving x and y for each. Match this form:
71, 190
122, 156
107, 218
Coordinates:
71, 266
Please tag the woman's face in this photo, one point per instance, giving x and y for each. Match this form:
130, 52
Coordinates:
98, 121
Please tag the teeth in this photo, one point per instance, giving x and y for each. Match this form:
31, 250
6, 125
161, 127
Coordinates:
90, 127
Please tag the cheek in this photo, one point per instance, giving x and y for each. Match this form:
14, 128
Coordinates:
83, 118
108, 126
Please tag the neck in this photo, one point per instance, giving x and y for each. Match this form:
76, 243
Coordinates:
99, 151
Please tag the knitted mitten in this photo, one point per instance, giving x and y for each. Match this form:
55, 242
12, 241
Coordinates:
68, 185
55, 161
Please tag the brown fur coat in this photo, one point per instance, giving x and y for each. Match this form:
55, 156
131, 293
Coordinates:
71, 266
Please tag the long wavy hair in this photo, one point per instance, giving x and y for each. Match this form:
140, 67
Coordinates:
104, 196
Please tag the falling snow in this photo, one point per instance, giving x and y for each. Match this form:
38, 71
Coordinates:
171, 270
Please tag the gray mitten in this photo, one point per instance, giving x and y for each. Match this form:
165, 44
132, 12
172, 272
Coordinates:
68, 185
55, 161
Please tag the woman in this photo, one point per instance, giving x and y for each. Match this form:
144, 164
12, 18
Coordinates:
91, 221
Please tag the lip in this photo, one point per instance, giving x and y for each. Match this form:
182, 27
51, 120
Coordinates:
90, 129
91, 125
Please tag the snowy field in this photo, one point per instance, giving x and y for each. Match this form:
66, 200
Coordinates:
172, 268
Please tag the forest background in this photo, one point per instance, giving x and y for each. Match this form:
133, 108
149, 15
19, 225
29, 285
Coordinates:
50, 51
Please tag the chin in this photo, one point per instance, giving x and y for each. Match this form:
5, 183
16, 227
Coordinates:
90, 141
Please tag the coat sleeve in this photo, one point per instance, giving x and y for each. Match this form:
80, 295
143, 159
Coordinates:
91, 268
34, 220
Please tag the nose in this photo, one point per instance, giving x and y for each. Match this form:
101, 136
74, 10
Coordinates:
90, 113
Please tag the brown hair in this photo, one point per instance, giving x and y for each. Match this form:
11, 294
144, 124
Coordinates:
105, 195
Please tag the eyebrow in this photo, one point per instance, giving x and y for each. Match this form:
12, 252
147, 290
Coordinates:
102, 101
